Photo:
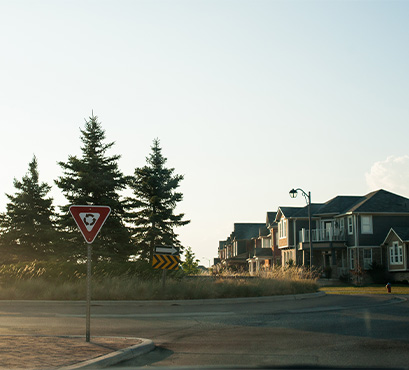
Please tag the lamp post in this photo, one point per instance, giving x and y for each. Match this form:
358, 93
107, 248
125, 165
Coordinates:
293, 194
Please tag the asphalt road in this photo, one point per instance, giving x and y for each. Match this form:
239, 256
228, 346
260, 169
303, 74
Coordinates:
337, 331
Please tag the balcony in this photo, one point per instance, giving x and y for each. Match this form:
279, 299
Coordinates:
322, 235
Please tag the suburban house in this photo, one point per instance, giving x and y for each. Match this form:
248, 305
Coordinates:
348, 234
234, 251
252, 246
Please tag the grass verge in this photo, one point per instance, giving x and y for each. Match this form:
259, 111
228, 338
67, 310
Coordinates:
371, 289
125, 288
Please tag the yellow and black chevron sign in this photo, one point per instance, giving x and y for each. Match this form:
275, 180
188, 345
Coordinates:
165, 261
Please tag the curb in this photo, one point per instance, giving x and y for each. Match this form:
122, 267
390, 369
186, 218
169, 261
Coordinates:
115, 357
180, 302
201, 302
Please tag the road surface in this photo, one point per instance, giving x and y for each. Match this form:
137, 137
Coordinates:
334, 330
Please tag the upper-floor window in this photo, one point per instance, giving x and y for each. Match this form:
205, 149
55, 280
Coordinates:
265, 243
350, 226
282, 228
396, 254
341, 225
366, 225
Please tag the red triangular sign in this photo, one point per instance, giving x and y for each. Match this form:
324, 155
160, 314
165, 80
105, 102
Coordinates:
90, 219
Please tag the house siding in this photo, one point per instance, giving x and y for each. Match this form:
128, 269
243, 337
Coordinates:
381, 226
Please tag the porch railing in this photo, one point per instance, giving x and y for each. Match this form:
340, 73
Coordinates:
321, 235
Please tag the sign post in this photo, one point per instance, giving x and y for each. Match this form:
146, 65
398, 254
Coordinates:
89, 220
165, 257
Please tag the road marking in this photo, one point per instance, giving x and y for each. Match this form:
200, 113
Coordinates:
318, 309
147, 315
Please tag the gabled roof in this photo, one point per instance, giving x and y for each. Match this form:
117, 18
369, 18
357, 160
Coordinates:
402, 233
299, 212
382, 201
263, 231
222, 244
246, 231
288, 212
339, 205
270, 219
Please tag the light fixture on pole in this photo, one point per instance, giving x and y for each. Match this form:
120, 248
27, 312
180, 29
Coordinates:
293, 194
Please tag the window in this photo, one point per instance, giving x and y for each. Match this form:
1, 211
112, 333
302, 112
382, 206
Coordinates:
341, 225
283, 228
350, 226
396, 254
366, 225
351, 259
265, 243
367, 259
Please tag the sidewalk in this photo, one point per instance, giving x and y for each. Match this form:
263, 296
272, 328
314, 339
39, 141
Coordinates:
43, 352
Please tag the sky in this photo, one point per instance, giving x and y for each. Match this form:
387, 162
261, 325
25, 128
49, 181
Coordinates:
249, 98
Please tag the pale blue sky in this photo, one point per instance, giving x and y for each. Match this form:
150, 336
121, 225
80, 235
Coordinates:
249, 98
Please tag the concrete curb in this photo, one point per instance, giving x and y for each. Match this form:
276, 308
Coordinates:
115, 357
201, 302
274, 298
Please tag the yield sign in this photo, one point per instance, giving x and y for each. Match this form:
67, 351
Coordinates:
90, 219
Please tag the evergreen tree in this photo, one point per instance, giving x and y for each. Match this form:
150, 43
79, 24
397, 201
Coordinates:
191, 264
94, 179
27, 228
154, 187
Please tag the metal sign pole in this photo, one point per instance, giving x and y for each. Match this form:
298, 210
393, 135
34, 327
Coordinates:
88, 316
163, 278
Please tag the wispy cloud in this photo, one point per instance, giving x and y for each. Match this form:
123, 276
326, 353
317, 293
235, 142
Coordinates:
392, 174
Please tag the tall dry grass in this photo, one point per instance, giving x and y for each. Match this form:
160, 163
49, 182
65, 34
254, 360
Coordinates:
29, 284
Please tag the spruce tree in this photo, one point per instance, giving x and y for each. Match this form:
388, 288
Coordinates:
95, 179
155, 199
27, 227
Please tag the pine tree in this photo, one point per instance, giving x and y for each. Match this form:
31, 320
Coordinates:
155, 199
191, 264
27, 227
94, 179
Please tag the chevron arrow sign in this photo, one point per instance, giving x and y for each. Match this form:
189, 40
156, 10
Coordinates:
165, 262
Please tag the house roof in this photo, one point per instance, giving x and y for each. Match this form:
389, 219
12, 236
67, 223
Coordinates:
290, 211
263, 231
271, 216
339, 205
382, 201
246, 231
402, 232
300, 212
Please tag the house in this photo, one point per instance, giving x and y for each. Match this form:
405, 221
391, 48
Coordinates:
261, 255
235, 250
292, 223
347, 231
252, 246
348, 235
272, 225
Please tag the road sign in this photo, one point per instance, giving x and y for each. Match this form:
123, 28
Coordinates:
90, 219
167, 249
165, 262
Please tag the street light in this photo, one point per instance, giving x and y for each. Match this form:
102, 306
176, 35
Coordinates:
293, 194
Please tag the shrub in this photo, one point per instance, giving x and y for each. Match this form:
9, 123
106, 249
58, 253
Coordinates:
378, 273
